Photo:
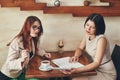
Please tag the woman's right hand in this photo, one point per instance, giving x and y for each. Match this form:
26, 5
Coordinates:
74, 59
25, 54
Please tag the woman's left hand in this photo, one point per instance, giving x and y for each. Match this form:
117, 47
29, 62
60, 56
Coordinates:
73, 70
66, 71
48, 55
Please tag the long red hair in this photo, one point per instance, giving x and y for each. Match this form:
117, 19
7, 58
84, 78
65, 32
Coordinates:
25, 31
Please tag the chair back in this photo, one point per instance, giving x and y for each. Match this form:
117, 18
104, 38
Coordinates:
116, 60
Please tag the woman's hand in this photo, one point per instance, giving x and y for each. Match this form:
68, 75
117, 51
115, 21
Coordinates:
25, 54
74, 59
48, 55
73, 70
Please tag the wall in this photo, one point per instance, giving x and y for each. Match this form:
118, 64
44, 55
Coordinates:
56, 27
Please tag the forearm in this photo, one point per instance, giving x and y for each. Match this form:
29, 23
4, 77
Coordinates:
41, 52
15, 64
78, 52
89, 67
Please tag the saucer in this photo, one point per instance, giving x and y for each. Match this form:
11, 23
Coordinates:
45, 69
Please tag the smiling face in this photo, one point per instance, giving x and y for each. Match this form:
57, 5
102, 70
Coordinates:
35, 29
90, 27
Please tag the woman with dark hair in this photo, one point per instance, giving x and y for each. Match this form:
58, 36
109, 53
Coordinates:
96, 45
22, 49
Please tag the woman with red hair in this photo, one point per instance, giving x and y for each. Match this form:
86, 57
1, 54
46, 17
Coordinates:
22, 49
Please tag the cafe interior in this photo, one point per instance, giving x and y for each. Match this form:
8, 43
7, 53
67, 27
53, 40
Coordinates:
62, 20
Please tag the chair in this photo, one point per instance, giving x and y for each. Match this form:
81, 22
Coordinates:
116, 60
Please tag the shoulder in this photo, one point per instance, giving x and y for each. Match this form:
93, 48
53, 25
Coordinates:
102, 39
16, 41
101, 36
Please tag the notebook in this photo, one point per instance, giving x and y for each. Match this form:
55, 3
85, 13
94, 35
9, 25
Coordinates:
64, 63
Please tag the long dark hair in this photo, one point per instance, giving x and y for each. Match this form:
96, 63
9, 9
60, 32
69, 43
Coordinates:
25, 31
98, 21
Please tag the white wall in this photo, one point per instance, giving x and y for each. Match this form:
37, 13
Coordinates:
56, 27
73, 2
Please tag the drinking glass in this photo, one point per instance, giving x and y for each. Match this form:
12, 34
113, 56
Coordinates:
60, 46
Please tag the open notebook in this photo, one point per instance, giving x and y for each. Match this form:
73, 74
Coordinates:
64, 63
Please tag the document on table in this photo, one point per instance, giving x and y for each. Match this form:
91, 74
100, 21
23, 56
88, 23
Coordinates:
64, 63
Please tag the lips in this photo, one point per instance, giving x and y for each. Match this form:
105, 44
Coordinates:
87, 31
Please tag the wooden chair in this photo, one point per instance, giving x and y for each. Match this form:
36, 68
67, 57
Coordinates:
116, 60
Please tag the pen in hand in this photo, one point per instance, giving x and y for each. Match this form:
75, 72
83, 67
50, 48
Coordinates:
17, 50
23, 49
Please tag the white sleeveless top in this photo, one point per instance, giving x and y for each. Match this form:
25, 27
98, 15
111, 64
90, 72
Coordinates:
91, 46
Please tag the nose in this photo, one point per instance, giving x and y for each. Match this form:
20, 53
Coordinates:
88, 27
37, 30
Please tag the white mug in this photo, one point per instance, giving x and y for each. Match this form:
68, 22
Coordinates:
45, 64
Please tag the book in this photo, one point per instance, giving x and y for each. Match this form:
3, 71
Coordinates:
63, 63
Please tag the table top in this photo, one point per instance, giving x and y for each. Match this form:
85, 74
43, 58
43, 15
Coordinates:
34, 72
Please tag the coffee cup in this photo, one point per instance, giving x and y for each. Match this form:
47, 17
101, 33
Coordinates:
45, 64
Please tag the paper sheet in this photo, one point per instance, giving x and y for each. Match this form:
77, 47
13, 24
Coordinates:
64, 63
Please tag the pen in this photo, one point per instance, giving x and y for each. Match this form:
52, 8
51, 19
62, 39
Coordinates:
21, 48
